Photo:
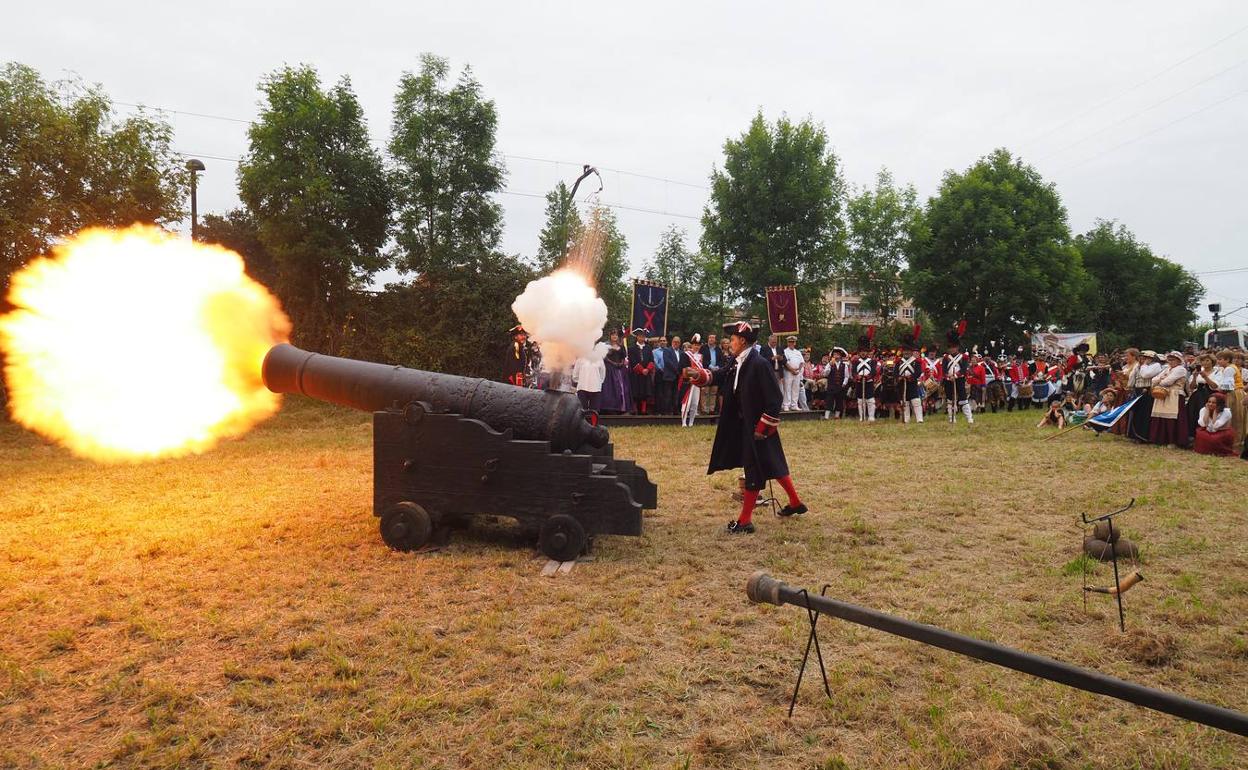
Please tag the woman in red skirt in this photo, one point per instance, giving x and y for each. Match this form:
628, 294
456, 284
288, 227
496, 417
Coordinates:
1169, 417
1214, 435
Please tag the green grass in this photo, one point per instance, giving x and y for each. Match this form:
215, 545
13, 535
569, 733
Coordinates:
238, 609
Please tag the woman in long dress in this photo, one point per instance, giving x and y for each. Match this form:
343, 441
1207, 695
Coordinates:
1230, 380
1168, 424
614, 398
1140, 384
1201, 384
1214, 435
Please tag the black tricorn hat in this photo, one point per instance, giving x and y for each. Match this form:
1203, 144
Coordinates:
910, 340
743, 330
954, 335
517, 329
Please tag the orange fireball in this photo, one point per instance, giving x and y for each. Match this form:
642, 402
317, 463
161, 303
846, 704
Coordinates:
135, 344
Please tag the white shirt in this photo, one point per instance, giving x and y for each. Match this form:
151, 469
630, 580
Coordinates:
1145, 374
589, 375
1224, 377
736, 376
1217, 423
793, 357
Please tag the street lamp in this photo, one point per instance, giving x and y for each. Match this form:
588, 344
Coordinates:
194, 165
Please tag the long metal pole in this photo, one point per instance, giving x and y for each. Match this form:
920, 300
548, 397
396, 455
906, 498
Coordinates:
764, 588
194, 209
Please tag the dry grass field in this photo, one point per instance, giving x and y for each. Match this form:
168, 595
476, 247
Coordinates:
239, 610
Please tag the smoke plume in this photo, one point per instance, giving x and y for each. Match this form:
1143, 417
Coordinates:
564, 314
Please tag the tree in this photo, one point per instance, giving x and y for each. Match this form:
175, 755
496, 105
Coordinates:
67, 163
996, 251
317, 191
883, 225
1134, 297
456, 322
563, 226
445, 170
692, 282
238, 231
774, 215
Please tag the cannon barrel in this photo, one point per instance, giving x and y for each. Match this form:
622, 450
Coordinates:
540, 415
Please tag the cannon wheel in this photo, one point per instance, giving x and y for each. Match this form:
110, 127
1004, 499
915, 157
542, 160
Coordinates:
406, 526
562, 538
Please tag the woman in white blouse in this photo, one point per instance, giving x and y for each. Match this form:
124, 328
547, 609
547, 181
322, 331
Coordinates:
1230, 379
1169, 417
1214, 435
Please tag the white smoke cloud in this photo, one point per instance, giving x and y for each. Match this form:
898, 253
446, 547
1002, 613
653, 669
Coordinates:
564, 314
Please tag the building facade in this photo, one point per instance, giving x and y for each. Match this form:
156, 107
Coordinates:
844, 299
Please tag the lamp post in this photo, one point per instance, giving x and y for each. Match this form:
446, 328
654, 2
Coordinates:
194, 165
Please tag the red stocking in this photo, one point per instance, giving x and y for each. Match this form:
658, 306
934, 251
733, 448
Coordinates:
748, 498
787, 483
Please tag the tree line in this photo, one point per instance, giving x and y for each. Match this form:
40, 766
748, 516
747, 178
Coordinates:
323, 212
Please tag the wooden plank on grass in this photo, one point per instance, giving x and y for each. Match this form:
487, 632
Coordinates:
566, 567
549, 569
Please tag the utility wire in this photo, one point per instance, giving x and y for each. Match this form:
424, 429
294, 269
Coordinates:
504, 155
1154, 105
1119, 146
516, 193
1135, 87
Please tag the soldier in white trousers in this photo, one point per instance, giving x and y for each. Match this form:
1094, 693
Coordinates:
909, 371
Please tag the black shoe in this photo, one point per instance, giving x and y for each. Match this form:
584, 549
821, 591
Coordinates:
737, 528
789, 510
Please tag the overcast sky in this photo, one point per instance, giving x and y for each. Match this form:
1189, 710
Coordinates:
1086, 92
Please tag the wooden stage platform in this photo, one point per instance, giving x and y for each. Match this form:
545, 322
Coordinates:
625, 420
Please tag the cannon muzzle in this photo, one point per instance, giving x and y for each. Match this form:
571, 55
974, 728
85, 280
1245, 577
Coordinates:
538, 415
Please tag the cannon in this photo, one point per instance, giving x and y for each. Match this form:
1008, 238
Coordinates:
446, 448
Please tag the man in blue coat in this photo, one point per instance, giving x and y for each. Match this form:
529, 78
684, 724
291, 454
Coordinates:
746, 434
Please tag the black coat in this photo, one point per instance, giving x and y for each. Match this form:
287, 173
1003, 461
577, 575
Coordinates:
774, 358
515, 359
908, 376
641, 386
670, 370
756, 393
713, 358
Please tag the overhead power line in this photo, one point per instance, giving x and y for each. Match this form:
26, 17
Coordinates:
506, 156
1135, 87
516, 193
1159, 129
1152, 106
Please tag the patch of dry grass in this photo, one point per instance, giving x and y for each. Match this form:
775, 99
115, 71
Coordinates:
239, 609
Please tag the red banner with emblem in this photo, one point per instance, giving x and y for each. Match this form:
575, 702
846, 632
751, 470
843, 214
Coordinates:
782, 310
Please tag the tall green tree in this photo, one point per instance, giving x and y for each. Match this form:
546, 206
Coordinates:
455, 322
1134, 297
775, 214
66, 162
884, 223
563, 226
692, 280
445, 170
996, 251
318, 193
238, 231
